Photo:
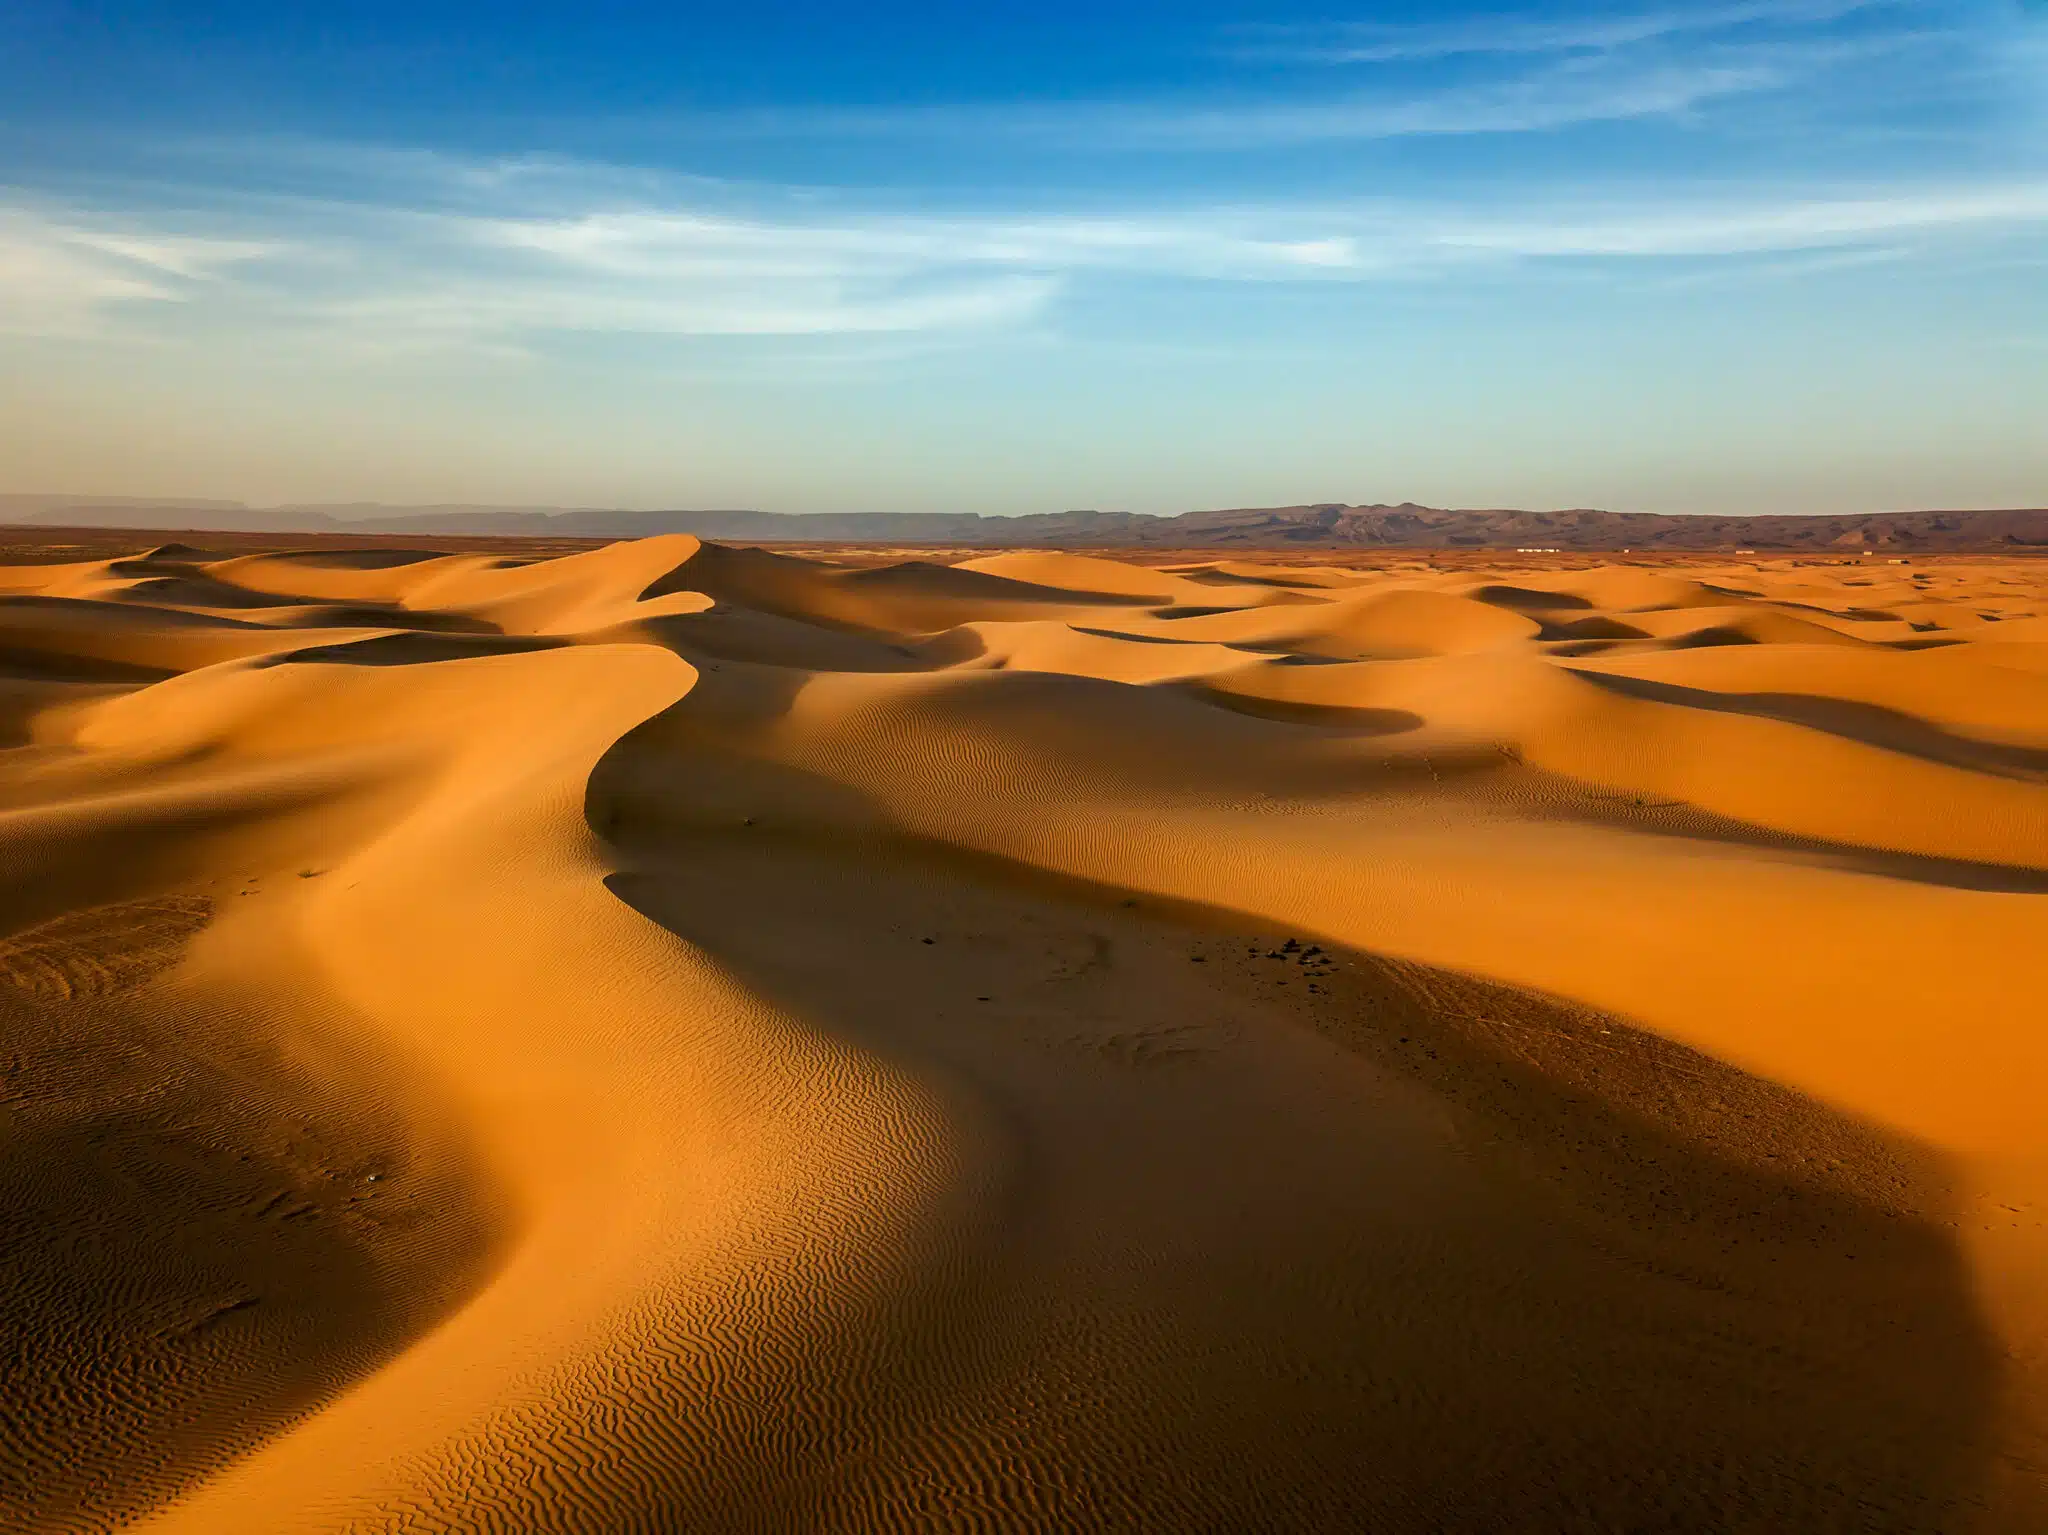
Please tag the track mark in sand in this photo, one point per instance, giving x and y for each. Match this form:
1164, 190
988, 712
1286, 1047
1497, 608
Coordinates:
1078, 956
216, 1316
104, 950
1167, 1046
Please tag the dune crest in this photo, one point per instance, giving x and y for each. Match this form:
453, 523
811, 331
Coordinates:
684, 1037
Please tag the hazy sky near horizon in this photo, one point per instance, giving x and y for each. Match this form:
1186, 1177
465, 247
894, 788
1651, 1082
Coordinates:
1703, 255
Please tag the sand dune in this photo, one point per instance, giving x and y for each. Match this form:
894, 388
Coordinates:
680, 1037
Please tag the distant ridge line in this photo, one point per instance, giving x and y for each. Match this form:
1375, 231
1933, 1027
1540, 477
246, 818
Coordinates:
1323, 525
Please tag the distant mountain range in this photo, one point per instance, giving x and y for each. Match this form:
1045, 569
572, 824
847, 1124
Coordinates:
1321, 526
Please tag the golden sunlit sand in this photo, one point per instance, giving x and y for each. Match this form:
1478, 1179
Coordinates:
675, 1037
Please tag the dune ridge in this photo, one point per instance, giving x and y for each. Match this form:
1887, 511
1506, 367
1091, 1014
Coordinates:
681, 1036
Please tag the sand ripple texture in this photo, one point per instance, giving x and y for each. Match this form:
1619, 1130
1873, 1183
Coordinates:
690, 1038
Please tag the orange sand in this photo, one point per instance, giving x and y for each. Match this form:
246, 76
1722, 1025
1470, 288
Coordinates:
685, 1038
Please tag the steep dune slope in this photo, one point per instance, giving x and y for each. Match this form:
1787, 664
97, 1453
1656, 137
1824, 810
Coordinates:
678, 1037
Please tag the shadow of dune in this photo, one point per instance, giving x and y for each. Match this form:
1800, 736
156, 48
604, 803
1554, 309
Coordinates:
1531, 600
1869, 724
86, 614
1598, 627
191, 589
1130, 638
728, 633
920, 577
1170, 613
1639, 1290
1638, 814
890, 602
371, 615
58, 665
1711, 636
1357, 719
196, 1250
1800, 1295
413, 648
355, 559
1210, 576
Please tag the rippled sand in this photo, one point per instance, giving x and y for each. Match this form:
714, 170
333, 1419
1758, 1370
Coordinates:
685, 1038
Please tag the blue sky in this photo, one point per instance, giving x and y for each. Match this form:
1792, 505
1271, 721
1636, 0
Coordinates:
1733, 255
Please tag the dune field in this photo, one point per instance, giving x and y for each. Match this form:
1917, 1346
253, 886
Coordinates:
678, 1037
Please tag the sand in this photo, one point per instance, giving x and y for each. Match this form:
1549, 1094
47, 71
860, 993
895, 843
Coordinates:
677, 1037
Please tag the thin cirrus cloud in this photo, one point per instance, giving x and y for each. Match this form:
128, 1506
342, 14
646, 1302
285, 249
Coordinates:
506, 254
1560, 95
505, 281
1390, 43
653, 244
1832, 224
1526, 76
1560, 98
60, 277
508, 314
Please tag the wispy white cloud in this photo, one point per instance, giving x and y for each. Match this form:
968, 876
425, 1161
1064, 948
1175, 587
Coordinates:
1554, 99
60, 276
1760, 227
511, 313
1521, 75
1559, 94
670, 271
1251, 243
1541, 77
668, 245
1595, 32
1793, 266
499, 257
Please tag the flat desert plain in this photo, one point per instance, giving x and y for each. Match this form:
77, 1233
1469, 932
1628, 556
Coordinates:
673, 1037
